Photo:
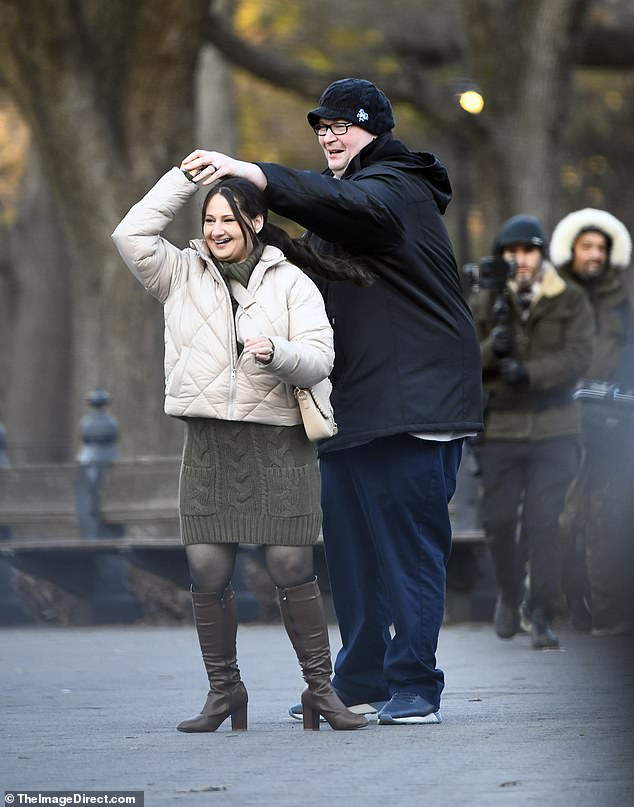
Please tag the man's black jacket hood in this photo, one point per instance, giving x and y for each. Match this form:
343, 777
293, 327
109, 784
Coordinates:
387, 148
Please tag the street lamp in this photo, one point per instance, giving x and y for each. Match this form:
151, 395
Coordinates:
471, 101
468, 95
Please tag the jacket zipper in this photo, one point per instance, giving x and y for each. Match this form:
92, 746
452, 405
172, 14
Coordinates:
233, 339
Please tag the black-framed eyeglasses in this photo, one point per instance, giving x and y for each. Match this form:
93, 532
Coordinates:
339, 128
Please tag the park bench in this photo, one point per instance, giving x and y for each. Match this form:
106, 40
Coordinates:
42, 533
37, 502
81, 527
134, 504
85, 525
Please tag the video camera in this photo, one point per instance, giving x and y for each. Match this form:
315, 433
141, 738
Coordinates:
491, 272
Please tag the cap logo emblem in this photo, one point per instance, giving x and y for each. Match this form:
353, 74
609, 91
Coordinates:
362, 115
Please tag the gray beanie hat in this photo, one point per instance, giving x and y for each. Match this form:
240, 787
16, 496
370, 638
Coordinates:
355, 100
521, 229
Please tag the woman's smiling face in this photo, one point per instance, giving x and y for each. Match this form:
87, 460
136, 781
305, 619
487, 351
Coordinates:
223, 234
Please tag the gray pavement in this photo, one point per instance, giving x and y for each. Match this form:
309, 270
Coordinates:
95, 709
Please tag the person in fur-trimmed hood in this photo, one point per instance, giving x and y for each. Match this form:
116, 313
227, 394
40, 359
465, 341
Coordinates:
592, 249
532, 358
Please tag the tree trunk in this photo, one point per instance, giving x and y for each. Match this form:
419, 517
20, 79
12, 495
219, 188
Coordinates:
108, 90
523, 57
38, 420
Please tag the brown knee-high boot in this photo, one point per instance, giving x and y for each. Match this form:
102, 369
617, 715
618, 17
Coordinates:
305, 623
217, 624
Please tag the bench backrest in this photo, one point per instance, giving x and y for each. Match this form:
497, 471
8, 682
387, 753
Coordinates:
142, 494
39, 500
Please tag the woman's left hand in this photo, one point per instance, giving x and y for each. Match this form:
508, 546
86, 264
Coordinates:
213, 165
261, 348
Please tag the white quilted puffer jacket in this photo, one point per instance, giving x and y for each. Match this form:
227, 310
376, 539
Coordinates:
204, 376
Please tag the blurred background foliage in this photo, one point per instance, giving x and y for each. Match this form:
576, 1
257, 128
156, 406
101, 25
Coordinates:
103, 96
14, 143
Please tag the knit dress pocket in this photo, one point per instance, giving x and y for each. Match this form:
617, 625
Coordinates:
196, 491
292, 492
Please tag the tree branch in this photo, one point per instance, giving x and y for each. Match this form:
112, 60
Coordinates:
264, 62
602, 45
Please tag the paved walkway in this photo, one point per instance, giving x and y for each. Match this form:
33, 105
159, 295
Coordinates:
95, 709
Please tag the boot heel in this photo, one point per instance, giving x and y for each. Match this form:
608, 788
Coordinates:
239, 719
303, 616
311, 718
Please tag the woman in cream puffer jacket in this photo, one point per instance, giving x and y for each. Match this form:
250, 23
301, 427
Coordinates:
243, 326
204, 376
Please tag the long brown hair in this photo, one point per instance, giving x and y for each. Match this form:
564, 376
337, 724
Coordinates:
247, 202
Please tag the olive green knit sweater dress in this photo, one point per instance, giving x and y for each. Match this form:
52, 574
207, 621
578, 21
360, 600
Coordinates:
244, 482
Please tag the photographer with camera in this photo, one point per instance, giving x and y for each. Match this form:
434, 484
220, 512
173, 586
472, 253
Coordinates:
535, 333
591, 249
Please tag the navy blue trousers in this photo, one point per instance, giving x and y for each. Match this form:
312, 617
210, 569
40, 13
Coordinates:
387, 537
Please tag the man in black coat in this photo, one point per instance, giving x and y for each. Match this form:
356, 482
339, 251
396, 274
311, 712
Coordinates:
406, 390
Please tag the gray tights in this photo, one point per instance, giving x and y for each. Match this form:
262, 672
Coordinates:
211, 565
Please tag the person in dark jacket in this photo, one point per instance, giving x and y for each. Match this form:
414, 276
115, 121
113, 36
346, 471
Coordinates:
532, 357
592, 249
406, 390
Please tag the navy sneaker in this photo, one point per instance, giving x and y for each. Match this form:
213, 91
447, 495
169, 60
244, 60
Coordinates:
371, 708
408, 708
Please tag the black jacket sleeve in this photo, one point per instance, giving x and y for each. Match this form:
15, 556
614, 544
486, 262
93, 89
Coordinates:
347, 212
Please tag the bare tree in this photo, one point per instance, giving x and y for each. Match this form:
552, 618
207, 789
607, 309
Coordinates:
520, 54
36, 327
108, 91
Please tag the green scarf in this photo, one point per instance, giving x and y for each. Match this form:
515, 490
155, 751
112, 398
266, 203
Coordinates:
240, 271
